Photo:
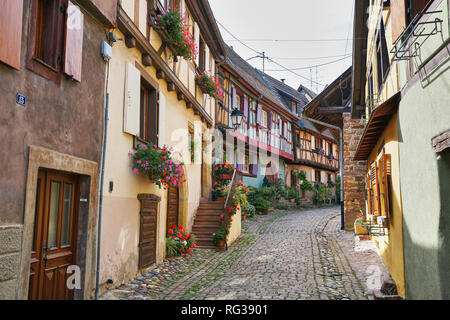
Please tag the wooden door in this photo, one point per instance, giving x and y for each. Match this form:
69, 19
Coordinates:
54, 242
172, 207
147, 234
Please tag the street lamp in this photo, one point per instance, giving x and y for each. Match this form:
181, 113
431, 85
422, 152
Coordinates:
236, 118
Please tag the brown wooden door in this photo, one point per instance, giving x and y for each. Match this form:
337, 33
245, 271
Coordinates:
172, 207
147, 234
54, 242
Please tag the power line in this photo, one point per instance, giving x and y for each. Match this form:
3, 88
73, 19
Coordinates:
317, 65
310, 58
291, 40
260, 53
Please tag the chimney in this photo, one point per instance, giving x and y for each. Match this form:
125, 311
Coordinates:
283, 80
231, 47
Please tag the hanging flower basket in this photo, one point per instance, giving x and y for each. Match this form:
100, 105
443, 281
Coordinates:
158, 166
177, 35
209, 85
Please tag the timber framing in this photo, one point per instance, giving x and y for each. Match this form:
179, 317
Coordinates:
129, 29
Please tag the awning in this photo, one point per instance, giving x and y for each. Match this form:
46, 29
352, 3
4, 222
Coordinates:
377, 123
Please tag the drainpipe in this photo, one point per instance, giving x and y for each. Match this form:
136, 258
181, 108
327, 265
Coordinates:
100, 206
341, 161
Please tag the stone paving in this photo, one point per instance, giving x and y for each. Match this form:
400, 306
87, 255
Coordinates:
286, 255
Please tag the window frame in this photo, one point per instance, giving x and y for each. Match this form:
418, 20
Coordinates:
34, 63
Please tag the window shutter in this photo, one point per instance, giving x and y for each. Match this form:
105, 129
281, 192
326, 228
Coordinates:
398, 18
259, 114
197, 42
375, 188
11, 12
369, 193
132, 114
157, 134
74, 42
386, 173
233, 98
418, 6
245, 107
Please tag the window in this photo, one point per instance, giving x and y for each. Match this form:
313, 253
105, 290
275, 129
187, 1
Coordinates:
318, 177
191, 143
294, 106
149, 114
246, 167
264, 118
202, 55
383, 63
170, 3
48, 34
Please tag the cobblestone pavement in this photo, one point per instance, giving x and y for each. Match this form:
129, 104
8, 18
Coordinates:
293, 255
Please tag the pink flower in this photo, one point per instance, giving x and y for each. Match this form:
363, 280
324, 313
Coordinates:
135, 170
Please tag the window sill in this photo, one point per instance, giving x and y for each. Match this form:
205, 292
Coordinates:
137, 141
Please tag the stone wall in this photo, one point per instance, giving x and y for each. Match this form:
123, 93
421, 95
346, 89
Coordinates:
10, 237
354, 171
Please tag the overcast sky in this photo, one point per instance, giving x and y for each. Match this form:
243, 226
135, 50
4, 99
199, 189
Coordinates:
258, 22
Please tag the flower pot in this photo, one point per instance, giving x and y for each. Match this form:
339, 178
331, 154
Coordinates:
360, 230
225, 177
220, 244
293, 200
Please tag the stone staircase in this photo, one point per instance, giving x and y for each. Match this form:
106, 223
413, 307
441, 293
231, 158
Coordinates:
206, 222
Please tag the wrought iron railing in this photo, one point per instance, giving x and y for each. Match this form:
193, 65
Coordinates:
408, 43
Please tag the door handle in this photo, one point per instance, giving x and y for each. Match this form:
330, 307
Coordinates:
44, 252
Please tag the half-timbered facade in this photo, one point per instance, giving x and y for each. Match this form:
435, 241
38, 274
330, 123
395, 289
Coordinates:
266, 129
316, 153
154, 98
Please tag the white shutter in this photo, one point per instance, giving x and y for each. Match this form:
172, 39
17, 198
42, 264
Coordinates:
132, 106
162, 119
197, 41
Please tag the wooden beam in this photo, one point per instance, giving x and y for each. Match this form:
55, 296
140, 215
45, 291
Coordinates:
160, 74
180, 96
130, 42
147, 60
170, 86
331, 110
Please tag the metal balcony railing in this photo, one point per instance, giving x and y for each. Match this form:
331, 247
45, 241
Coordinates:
415, 35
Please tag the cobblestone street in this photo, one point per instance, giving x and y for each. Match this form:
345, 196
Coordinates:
293, 255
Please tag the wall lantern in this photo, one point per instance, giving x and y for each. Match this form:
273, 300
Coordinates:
236, 118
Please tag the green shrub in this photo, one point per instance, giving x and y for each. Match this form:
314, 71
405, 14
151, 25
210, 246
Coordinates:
220, 235
249, 209
282, 207
173, 247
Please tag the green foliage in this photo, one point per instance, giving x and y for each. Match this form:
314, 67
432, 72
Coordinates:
293, 194
220, 235
266, 183
249, 210
302, 175
307, 185
322, 193
282, 207
172, 247
331, 184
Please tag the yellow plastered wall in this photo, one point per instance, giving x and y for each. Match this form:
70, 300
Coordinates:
391, 246
121, 219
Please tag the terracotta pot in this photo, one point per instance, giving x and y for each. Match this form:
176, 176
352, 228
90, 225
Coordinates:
293, 200
220, 244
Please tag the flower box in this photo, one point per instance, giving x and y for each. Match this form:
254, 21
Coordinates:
225, 176
220, 244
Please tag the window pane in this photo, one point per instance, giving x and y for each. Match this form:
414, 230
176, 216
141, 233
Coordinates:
67, 208
47, 31
54, 210
144, 114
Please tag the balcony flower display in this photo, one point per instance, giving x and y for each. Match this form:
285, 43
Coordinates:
157, 164
178, 34
209, 85
224, 171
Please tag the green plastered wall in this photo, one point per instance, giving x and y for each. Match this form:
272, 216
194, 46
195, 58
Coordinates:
424, 113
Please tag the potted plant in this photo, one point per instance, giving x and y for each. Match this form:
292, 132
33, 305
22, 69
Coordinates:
209, 85
158, 165
177, 34
220, 237
361, 226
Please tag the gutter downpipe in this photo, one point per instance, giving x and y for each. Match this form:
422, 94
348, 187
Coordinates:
341, 162
100, 206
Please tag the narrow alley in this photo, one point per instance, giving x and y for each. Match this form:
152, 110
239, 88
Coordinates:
285, 255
